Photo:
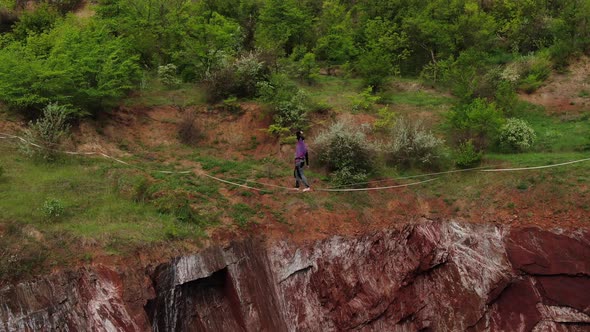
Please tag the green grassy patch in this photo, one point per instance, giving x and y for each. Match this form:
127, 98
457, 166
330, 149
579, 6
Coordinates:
242, 214
93, 208
337, 92
556, 134
415, 98
154, 93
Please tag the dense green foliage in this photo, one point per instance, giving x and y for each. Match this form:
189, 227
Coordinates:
76, 63
478, 122
89, 63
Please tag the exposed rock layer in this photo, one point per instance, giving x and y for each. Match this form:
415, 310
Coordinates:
428, 276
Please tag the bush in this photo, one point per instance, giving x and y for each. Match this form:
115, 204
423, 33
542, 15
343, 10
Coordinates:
365, 100
219, 84
47, 132
411, 145
516, 135
344, 149
239, 77
308, 69
176, 203
167, 75
387, 119
250, 69
1, 171
478, 121
231, 105
290, 104
53, 209
374, 68
533, 71
467, 156
463, 75
189, 131
41, 19
506, 98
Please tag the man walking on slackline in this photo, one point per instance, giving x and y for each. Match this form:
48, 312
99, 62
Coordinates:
301, 158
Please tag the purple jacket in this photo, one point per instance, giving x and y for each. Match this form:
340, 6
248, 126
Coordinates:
300, 150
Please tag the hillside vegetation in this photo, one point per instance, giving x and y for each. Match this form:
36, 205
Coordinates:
383, 90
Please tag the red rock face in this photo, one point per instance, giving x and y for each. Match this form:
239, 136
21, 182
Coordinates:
421, 277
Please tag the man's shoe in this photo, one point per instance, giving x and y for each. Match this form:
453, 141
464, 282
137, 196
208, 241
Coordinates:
307, 189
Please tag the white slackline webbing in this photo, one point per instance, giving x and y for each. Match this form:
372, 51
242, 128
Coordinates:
332, 189
534, 167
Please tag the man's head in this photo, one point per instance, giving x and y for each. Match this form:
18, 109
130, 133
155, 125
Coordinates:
299, 134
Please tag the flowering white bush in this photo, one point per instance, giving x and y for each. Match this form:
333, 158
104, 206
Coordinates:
345, 150
517, 135
412, 145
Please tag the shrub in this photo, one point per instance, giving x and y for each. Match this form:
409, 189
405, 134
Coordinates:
1, 171
290, 104
463, 75
411, 145
189, 132
219, 84
308, 69
239, 77
53, 209
47, 132
176, 203
292, 113
478, 121
250, 70
516, 135
533, 71
365, 100
345, 150
506, 97
386, 120
231, 105
167, 75
467, 156
37, 21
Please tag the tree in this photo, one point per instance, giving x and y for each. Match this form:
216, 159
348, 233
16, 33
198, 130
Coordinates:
478, 122
76, 64
282, 25
384, 48
336, 44
523, 25
206, 40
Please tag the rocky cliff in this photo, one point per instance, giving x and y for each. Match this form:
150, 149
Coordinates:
419, 277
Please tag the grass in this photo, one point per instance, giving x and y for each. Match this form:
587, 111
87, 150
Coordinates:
155, 94
556, 134
94, 211
242, 214
337, 92
415, 98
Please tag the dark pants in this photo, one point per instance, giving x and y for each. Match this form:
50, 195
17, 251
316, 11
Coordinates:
298, 173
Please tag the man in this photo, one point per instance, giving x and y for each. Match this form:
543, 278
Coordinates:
301, 158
